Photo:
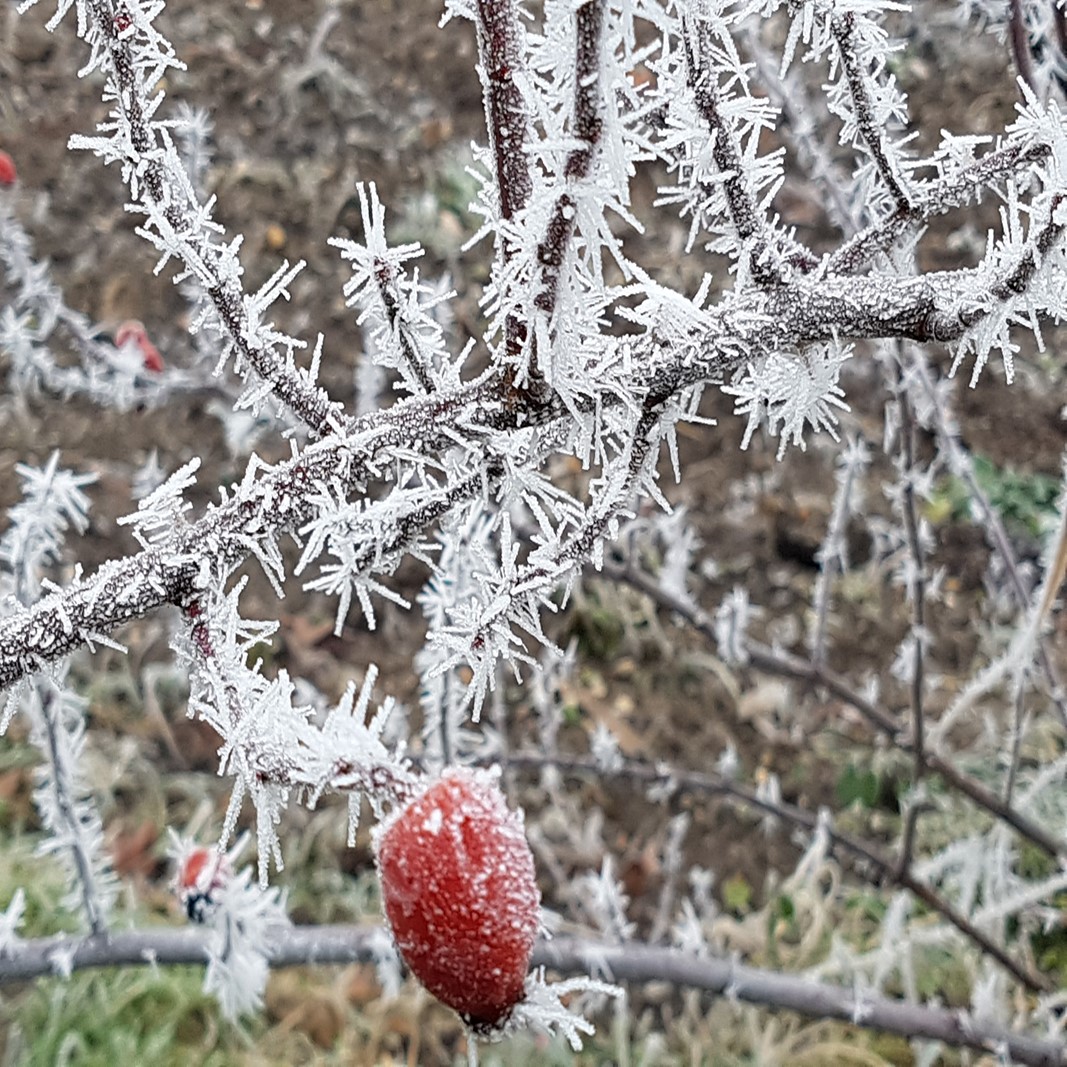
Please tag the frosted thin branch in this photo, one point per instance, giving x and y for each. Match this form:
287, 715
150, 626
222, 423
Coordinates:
633, 962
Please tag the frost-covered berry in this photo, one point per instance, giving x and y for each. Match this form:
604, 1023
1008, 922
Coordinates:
134, 331
8, 173
201, 873
460, 894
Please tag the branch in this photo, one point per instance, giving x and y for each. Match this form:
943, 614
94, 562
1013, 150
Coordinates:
862, 858
72, 829
905, 502
635, 963
586, 125
1020, 44
782, 664
183, 225
937, 198
871, 129
501, 50
273, 500
753, 231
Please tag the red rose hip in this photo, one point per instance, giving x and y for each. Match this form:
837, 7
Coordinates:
132, 330
460, 894
8, 173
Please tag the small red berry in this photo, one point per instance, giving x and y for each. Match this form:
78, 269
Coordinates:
460, 893
8, 174
132, 330
202, 872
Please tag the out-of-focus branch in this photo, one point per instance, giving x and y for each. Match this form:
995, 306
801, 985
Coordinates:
866, 860
1020, 44
961, 464
632, 962
783, 665
915, 574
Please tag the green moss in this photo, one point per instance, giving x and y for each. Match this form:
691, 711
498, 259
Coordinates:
1025, 502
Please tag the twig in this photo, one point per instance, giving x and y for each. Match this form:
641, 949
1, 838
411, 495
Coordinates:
937, 197
72, 824
1020, 44
844, 31
506, 118
834, 547
160, 191
782, 664
860, 856
916, 579
587, 126
752, 228
635, 963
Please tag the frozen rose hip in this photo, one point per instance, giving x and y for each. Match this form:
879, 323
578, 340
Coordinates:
460, 894
8, 174
201, 873
134, 331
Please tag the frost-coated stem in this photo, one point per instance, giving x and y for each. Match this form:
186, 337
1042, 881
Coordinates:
61, 785
803, 128
503, 64
169, 201
631, 962
752, 226
937, 198
871, 129
587, 124
401, 329
833, 553
916, 570
277, 499
783, 665
864, 859
1020, 43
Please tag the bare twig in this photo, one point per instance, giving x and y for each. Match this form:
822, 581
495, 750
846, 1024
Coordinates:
634, 963
916, 579
863, 858
784, 665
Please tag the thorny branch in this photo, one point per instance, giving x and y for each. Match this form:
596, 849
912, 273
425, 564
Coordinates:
276, 501
170, 201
